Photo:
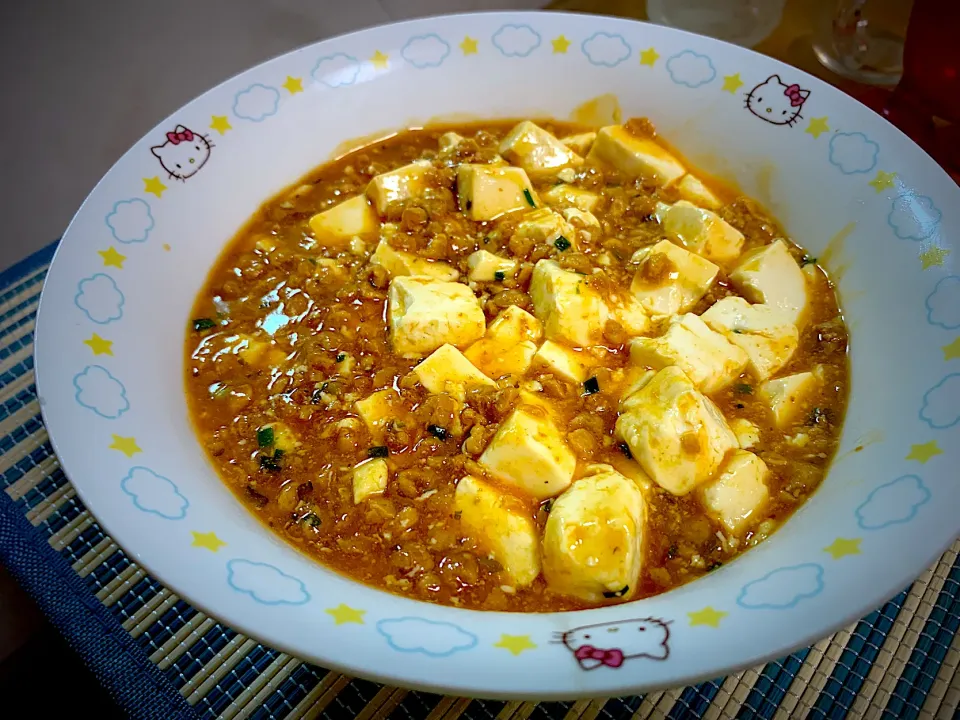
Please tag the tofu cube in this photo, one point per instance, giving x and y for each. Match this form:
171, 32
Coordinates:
284, 438
258, 353
629, 313
448, 142
352, 218
763, 332
569, 308
692, 188
484, 266
545, 226
379, 408
369, 478
635, 156
486, 192
583, 223
530, 454
738, 492
570, 196
700, 231
670, 279
770, 275
580, 143
510, 344
425, 314
710, 360
502, 526
398, 263
789, 397
594, 538
562, 361
399, 186
537, 151
679, 437
536, 403
446, 370
748, 434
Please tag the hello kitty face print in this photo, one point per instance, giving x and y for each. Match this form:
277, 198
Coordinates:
776, 102
183, 153
611, 644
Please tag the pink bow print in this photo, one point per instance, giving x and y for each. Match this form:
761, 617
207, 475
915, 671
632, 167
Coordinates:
610, 658
177, 137
793, 92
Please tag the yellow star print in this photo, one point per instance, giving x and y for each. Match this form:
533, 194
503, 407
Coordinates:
127, 445
951, 351
924, 452
818, 126
707, 616
208, 540
883, 180
220, 123
649, 57
469, 46
560, 46
345, 614
841, 547
380, 61
933, 256
99, 345
111, 258
732, 83
153, 185
293, 85
515, 644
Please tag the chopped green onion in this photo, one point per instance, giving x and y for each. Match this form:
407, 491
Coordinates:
819, 415
625, 449
808, 260
548, 505
311, 520
714, 565
744, 389
457, 514
265, 437
440, 433
270, 464
499, 276
591, 386
561, 243
341, 357
278, 453
378, 451
616, 593
672, 551
469, 204
529, 196
203, 324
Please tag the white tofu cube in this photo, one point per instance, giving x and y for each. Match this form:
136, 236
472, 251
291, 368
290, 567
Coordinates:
425, 314
569, 308
486, 192
446, 370
537, 151
770, 275
594, 538
284, 439
563, 362
738, 492
692, 188
545, 226
352, 218
448, 142
377, 409
700, 231
763, 332
670, 279
580, 143
514, 324
635, 156
529, 453
510, 344
502, 526
583, 222
399, 262
676, 433
401, 185
258, 353
789, 397
710, 360
629, 313
571, 196
370, 478
748, 434
484, 266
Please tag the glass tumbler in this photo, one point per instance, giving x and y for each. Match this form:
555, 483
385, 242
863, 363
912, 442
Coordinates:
744, 22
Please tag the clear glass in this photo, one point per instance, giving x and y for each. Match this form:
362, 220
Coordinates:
744, 22
862, 39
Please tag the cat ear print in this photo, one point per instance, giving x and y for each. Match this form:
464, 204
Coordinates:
180, 129
156, 151
804, 94
774, 77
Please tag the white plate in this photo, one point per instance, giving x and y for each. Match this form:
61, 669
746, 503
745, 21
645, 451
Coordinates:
846, 185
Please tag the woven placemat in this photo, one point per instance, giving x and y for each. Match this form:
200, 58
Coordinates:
153, 651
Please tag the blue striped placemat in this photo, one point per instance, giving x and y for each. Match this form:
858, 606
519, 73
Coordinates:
161, 658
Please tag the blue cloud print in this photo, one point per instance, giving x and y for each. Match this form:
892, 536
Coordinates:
943, 304
130, 221
853, 153
783, 588
913, 217
100, 299
516, 40
101, 392
691, 69
893, 503
154, 493
941, 403
336, 70
265, 583
416, 635
605, 49
425, 51
256, 103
